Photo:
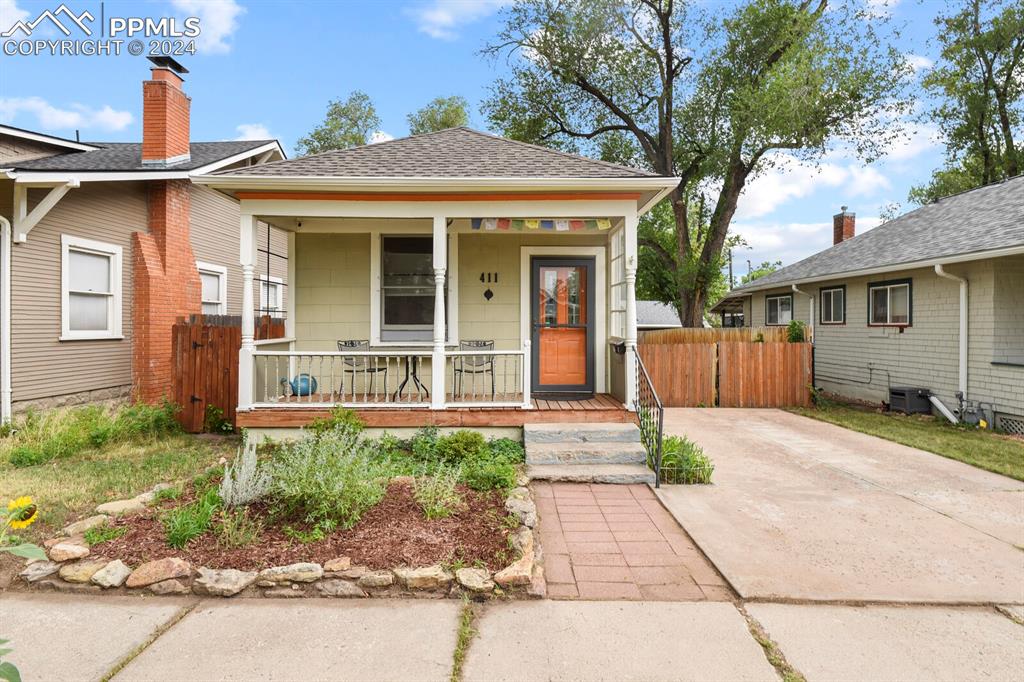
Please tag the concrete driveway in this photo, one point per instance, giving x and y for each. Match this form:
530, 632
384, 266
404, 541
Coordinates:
801, 509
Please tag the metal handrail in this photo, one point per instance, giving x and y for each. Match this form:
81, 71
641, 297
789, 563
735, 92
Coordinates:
651, 414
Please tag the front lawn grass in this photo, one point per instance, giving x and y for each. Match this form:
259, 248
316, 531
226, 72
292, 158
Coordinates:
986, 450
73, 485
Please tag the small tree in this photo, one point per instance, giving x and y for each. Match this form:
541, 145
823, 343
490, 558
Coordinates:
348, 123
441, 113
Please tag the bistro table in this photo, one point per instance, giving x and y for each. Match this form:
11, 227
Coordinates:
412, 356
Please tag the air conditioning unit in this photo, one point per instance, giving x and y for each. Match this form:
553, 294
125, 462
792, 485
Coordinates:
909, 400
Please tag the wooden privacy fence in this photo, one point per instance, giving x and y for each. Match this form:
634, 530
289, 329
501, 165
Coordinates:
730, 374
204, 364
716, 335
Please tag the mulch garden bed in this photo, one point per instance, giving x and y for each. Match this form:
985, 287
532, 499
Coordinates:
392, 533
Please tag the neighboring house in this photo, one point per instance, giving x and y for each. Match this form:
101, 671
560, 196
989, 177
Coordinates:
482, 280
105, 245
655, 315
933, 299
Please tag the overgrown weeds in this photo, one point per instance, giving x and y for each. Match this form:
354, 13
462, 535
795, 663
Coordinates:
100, 534
683, 461
437, 495
185, 523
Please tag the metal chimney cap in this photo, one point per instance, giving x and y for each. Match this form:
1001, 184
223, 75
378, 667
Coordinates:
165, 62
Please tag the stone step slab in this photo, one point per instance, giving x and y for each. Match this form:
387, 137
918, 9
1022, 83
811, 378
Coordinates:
580, 433
586, 453
591, 473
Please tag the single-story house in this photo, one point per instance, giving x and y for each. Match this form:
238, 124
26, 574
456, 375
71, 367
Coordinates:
933, 299
655, 315
105, 245
454, 278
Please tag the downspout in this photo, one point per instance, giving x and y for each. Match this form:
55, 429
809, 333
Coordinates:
5, 320
963, 328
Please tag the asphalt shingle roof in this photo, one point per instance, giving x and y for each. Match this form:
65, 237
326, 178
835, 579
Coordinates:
454, 152
127, 157
656, 314
983, 219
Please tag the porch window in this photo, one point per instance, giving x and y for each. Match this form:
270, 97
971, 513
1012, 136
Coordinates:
214, 280
889, 303
833, 305
90, 289
617, 286
407, 288
778, 310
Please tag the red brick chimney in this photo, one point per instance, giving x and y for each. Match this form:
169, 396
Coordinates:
843, 226
165, 115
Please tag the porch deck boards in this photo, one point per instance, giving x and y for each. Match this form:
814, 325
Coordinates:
601, 408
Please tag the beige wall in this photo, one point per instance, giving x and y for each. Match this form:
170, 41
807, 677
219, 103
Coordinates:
14, 149
215, 233
861, 362
332, 273
42, 365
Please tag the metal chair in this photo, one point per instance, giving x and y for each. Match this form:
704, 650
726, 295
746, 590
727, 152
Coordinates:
473, 364
360, 364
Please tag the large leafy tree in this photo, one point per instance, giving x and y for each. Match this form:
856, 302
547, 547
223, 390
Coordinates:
688, 92
441, 113
349, 123
977, 87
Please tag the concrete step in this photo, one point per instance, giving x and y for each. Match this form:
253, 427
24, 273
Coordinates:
581, 433
591, 473
585, 453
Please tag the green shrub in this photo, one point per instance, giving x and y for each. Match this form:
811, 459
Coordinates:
460, 446
507, 450
328, 480
314, 534
424, 443
437, 495
235, 528
183, 524
340, 418
95, 536
796, 331
27, 455
683, 461
482, 473
214, 421
164, 494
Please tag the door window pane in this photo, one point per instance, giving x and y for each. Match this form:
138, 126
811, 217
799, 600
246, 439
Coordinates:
88, 312
89, 272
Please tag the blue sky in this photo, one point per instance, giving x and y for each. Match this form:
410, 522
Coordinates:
269, 68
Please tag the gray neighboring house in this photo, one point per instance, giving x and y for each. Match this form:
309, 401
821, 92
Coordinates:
654, 315
103, 245
933, 299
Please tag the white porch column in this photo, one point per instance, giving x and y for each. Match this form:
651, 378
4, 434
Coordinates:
438, 389
247, 257
631, 222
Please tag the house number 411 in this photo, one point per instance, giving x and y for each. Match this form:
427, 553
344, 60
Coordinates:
486, 277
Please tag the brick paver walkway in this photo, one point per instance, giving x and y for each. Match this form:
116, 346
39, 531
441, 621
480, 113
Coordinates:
605, 541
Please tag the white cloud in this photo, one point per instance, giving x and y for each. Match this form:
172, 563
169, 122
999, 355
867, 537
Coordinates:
218, 21
865, 181
879, 8
380, 136
787, 241
253, 131
919, 62
50, 117
10, 14
442, 19
918, 139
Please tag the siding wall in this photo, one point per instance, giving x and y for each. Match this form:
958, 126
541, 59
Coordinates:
862, 362
17, 149
332, 273
42, 365
215, 233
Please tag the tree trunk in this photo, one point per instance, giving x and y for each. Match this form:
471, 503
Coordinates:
1009, 150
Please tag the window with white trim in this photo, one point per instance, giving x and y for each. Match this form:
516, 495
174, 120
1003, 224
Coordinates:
617, 284
271, 295
889, 303
833, 305
407, 287
778, 310
90, 289
214, 279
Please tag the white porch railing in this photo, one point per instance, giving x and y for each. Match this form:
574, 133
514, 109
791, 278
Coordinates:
390, 379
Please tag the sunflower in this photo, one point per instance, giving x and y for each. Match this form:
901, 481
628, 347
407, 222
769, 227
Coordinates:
21, 512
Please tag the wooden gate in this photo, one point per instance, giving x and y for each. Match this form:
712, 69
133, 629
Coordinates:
683, 374
764, 374
205, 365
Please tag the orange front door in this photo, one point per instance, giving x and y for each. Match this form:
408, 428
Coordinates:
562, 292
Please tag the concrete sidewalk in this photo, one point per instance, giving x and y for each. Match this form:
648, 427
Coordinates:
70, 638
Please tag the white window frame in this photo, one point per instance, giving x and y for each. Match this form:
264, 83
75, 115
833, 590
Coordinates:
889, 286
767, 304
617, 285
222, 275
279, 303
830, 292
70, 243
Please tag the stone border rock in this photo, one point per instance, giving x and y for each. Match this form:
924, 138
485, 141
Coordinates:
73, 569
